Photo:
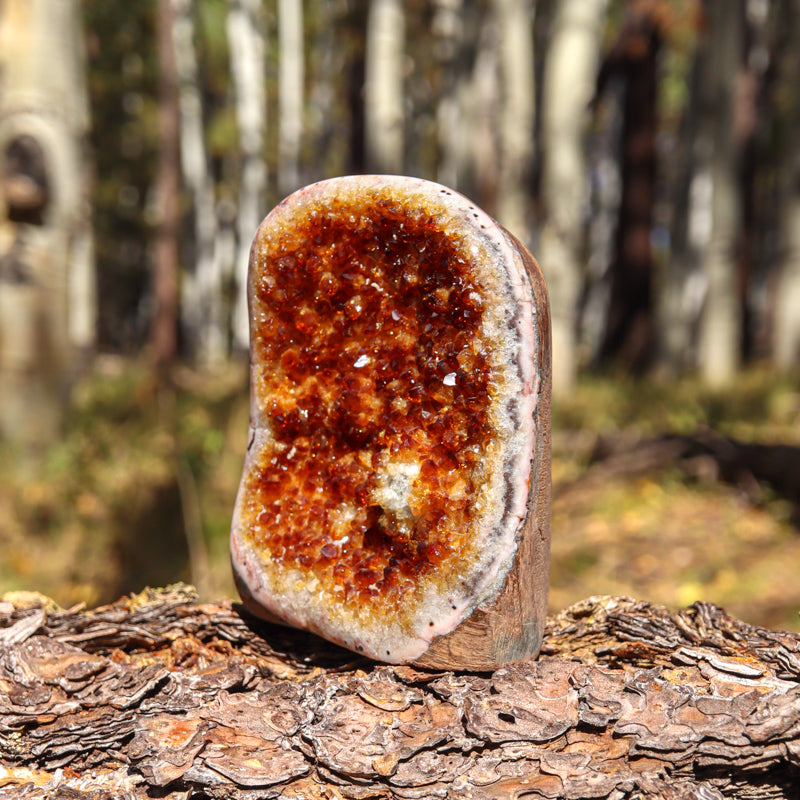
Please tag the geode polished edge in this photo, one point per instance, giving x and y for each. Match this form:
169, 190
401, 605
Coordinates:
395, 497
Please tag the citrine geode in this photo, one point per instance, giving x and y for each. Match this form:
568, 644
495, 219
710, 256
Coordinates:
395, 495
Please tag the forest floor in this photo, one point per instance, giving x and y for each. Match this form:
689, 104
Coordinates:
143, 477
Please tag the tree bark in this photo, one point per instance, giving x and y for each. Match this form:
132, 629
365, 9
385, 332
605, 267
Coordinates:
787, 299
47, 278
568, 87
484, 111
448, 28
630, 327
517, 111
202, 285
383, 88
678, 305
720, 325
157, 695
166, 252
246, 45
291, 93
355, 46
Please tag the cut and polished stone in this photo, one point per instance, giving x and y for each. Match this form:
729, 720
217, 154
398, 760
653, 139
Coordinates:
396, 483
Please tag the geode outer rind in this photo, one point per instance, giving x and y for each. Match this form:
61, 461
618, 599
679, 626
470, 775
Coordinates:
395, 481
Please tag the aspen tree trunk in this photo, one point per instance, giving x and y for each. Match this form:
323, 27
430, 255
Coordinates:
569, 79
246, 45
483, 112
718, 350
47, 300
291, 93
383, 89
202, 285
678, 305
166, 255
448, 30
82, 313
517, 98
787, 301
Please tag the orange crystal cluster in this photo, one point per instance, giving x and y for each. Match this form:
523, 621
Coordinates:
365, 336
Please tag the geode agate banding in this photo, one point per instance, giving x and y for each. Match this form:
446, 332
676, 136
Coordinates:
395, 495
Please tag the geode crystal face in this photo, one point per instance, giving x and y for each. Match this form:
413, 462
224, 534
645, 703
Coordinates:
395, 393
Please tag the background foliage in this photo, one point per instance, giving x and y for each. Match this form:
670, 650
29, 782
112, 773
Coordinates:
140, 486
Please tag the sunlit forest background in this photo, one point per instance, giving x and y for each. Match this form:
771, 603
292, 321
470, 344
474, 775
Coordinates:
647, 152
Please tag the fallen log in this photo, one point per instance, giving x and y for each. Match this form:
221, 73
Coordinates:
158, 695
705, 455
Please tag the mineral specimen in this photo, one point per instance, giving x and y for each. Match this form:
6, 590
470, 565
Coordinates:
395, 494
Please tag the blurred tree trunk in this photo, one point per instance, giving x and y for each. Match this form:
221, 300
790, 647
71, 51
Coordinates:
247, 53
291, 92
202, 285
787, 301
634, 57
678, 304
752, 117
326, 79
355, 44
448, 30
484, 111
82, 311
383, 86
166, 254
569, 78
517, 109
719, 343
47, 281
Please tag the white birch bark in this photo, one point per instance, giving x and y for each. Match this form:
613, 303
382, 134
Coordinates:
517, 98
247, 54
720, 324
569, 79
47, 301
202, 287
291, 93
383, 89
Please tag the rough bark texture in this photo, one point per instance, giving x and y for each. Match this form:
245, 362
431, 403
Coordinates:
159, 696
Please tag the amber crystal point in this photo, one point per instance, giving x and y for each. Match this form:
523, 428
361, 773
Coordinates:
395, 497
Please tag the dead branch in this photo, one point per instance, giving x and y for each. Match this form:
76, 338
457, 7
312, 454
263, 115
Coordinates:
705, 455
